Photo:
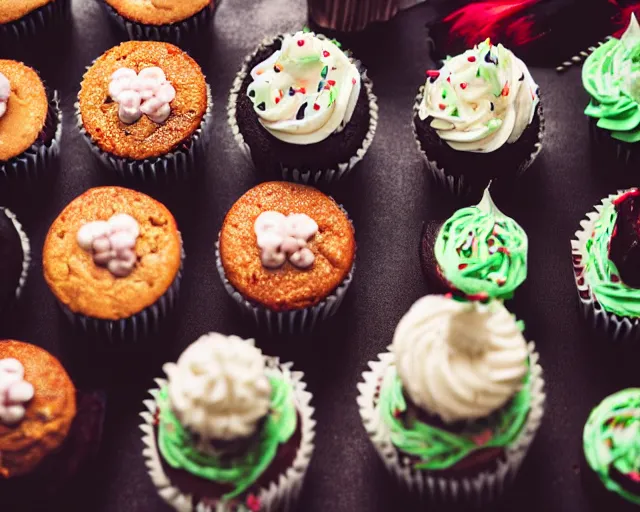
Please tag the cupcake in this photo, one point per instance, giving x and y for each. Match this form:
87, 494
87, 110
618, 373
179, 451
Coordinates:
286, 255
113, 259
143, 107
454, 406
302, 109
230, 430
30, 122
612, 450
167, 20
15, 257
478, 118
610, 76
478, 252
26, 18
606, 259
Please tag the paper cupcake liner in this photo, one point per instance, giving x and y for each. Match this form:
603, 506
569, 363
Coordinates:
26, 250
34, 22
172, 32
459, 185
131, 330
308, 176
177, 164
619, 329
475, 490
617, 149
280, 496
32, 164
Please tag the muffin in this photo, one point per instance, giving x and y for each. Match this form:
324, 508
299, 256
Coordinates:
15, 258
229, 430
478, 118
27, 18
143, 107
113, 259
610, 76
612, 450
30, 122
164, 20
286, 255
605, 258
478, 252
454, 406
302, 109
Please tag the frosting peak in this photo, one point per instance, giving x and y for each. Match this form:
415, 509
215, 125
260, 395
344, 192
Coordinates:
15, 392
5, 92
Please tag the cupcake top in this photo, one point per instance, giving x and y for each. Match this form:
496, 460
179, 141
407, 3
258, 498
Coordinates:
611, 76
286, 246
158, 12
10, 10
612, 443
111, 253
142, 99
460, 381
224, 412
481, 99
37, 406
306, 90
23, 108
11, 259
482, 252
613, 255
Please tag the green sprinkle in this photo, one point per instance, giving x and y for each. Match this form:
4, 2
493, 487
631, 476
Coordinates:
306, 29
444, 93
455, 113
332, 96
338, 44
324, 72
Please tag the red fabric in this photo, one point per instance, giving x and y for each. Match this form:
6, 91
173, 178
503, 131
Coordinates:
622, 17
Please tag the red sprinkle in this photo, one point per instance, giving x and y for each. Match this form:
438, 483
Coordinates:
300, 42
277, 100
433, 73
325, 53
471, 58
504, 250
353, 81
463, 85
505, 89
302, 90
331, 82
442, 106
462, 266
316, 106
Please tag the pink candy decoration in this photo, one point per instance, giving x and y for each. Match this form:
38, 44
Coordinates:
5, 92
15, 392
281, 237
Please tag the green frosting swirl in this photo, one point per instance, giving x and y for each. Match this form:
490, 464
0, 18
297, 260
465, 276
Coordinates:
481, 251
611, 75
439, 449
179, 450
612, 441
601, 273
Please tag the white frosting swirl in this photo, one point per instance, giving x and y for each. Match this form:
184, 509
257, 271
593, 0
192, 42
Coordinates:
481, 99
305, 91
147, 92
15, 392
459, 360
218, 389
281, 237
5, 92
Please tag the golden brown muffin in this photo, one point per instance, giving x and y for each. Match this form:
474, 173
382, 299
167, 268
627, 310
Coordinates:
12, 10
48, 416
158, 12
144, 138
92, 290
287, 288
27, 109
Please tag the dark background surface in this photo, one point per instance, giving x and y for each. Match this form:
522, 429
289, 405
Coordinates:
388, 196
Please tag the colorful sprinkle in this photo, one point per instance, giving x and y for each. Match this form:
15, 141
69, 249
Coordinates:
353, 81
300, 42
262, 106
325, 54
432, 73
277, 68
252, 93
324, 72
316, 106
300, 114
471, 58
302, 90
505, 89
259, 72
320, 86
277, 100
521, 78
462, 266
292, 91
493, 107
463, 85
331, 82
442, 106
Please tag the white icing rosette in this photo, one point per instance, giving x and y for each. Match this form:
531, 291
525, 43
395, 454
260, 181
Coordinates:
281, 495
26, 250
43, 18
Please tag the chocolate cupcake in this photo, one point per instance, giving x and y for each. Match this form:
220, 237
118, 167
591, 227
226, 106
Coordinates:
230, 429
163, 20
302, 109
478, 118
15, 258
478, 252
454, 406
143, 107
286, 255
611, 442
27, 18
30, 122
113, 259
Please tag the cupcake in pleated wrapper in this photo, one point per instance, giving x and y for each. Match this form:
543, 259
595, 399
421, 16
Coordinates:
230, 430
29, 18
454, 406
605, 261
478, 119
15, 258
303, 110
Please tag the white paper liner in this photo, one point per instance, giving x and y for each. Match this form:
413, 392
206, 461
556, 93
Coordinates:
334, 174
26, 250
280, 496
35, 21
135, 328
458, 185
178, 164
31, 164
477, 490
171, 32
619, 329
